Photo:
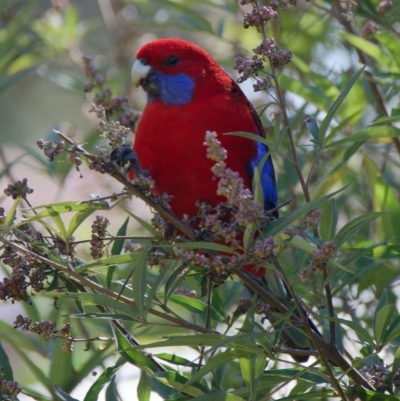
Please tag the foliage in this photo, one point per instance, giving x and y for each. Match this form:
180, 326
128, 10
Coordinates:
328, 86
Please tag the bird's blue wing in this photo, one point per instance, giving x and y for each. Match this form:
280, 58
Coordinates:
267, 173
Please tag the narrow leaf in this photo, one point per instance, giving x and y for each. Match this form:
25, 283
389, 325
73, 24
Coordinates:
139, 284
102, 380
144, 387
332, 111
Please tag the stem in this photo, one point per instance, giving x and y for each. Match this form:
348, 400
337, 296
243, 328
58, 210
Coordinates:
207, 322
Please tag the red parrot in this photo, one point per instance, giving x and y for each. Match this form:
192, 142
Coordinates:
189, 94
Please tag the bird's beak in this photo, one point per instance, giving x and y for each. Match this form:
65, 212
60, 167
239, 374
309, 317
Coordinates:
143, 75
140, 70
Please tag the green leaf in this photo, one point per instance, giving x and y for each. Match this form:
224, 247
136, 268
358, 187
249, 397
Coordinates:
133, 356
372, 50
8, 221
21, 344
194, 305
218, 397
178, 382
139, 284
112, 260
310, 93
209, 340
395, 367
78, 218
367, 395
111, 394
177, 276
116, 250
385, 121
369, 133
154, 287
144, 224
102, 380
176, 360
63, 395
347, 231
55, 216
202, 245
215, 362
325, 123
392, 332
381, 322
96, 299
329, 220
144, 387
252, 367
98, 315
323, 313
356, 327
5, 363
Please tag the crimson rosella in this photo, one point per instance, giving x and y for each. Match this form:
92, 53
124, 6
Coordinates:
188, 94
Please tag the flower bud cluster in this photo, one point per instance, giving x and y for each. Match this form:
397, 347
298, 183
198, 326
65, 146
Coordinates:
62, 247
308, 222
111, 105
321, 257
8, 390
369, 30
18, 189
132, 247
52, 150
251, 66
243, 306
47, 330
281, 58
26, 271
248, 67
263, 309
68, 346
258, 17
219, 268
185, 291
114, 131
384, 7
99, 231
377, 375
263, 248
230, 185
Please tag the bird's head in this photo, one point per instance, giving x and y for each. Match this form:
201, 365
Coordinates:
171, 70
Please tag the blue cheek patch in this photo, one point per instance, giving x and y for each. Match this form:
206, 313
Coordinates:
174, 90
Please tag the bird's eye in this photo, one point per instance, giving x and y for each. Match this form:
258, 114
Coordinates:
171, 61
